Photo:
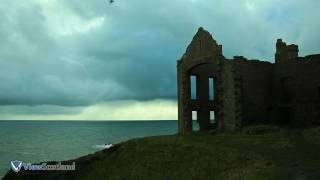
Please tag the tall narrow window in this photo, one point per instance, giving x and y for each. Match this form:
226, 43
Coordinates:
319, 91
212, 117
193, 81
211, 88
195, 124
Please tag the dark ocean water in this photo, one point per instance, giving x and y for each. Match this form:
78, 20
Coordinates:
36, 141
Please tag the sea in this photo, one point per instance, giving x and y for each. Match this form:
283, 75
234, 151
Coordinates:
38, 141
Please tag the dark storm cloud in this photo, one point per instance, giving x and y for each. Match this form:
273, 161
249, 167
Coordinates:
76, 53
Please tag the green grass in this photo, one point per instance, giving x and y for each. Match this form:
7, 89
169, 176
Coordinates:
259, 152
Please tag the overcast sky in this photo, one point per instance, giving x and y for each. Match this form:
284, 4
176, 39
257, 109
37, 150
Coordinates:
92, 60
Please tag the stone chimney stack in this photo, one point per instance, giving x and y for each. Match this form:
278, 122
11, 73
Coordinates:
285, 53
292, 51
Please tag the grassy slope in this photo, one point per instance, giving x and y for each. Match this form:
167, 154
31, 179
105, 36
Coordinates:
254, 153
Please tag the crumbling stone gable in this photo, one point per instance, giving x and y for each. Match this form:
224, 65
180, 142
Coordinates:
247, 91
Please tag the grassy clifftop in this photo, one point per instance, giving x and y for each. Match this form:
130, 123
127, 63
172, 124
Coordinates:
259, 152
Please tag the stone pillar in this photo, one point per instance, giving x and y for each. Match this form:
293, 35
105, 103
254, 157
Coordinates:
184, 110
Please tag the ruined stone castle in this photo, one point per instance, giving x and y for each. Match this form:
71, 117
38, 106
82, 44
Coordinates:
229, 93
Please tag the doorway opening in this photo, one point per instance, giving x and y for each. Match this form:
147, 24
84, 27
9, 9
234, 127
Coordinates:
195, 122
285, 115
286, 95
212, 117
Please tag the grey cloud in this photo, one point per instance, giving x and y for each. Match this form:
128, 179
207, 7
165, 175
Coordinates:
132, 54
